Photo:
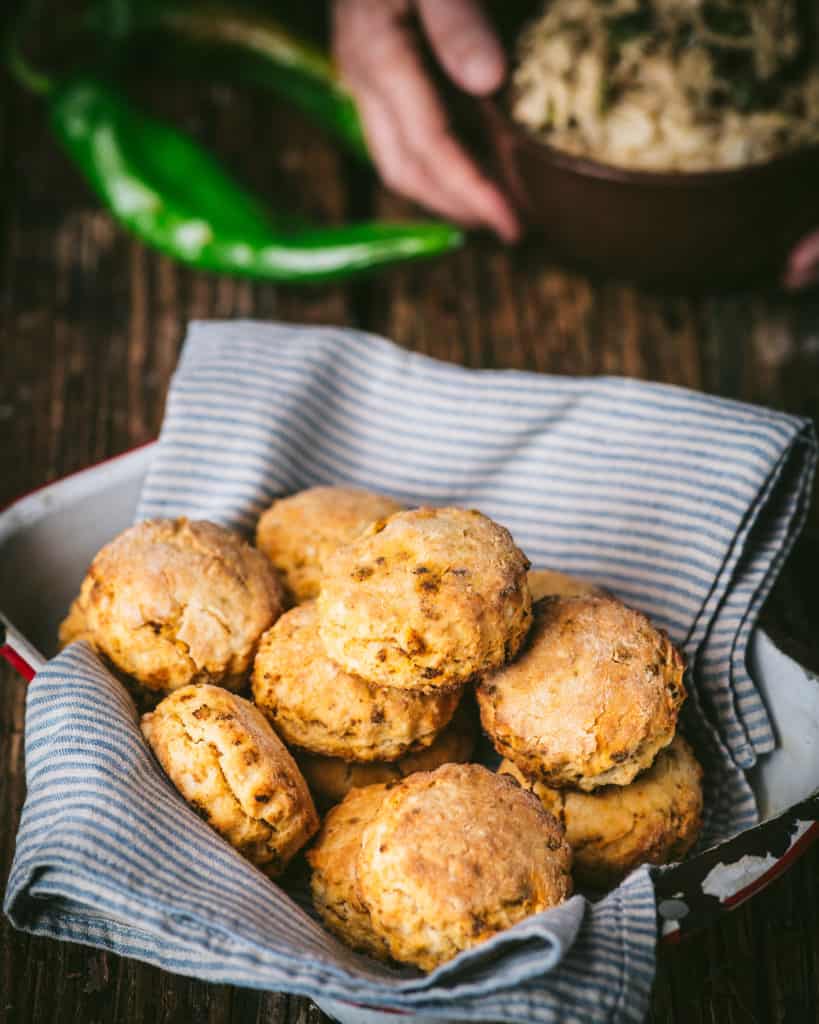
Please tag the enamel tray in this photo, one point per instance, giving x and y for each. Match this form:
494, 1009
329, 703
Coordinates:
48, 538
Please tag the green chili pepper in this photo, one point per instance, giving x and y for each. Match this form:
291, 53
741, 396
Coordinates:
241, 44
173, 195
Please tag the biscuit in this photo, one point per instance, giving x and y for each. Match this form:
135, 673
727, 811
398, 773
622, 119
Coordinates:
428, 598
315, 705
451, 858
591, 700
549, 583
654, 820
333, 883
226, 761
173, 602
330, 778
298, 533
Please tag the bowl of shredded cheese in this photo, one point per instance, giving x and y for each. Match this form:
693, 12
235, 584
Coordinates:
671, 141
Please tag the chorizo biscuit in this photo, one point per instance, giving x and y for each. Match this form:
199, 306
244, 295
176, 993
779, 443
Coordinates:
173, 602
654, 820
592, 699
226, 761
333, 884
428, 598
451, 857
315, 705
298, 533
330, 778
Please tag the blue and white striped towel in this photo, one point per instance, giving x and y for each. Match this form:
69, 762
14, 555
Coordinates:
684, 505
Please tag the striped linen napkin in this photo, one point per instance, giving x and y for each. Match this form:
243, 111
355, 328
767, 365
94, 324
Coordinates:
682, 504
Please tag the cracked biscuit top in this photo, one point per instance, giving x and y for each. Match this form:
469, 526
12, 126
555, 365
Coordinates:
300, 532
425, 599
224, 758
452, 857
331, 778
592, 698
172, 602
315, 705
333, 859
654, 820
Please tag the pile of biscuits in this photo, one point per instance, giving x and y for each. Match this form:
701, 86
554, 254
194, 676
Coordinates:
364, 701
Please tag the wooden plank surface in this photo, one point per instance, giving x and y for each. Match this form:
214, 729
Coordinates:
90, 330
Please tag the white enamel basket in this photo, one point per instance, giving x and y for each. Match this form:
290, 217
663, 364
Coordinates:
48, 538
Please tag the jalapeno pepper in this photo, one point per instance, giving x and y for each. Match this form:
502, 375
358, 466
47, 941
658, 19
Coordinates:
169, 192
243, 45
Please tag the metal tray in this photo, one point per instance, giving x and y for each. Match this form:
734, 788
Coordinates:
48, 538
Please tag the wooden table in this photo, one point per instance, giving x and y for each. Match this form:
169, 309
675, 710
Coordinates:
92, 324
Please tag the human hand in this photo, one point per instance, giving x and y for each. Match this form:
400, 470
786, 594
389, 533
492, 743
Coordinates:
375, 47
802, 270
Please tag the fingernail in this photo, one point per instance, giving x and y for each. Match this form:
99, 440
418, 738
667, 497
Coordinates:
509, 225
482, 72
506, 228
796, 278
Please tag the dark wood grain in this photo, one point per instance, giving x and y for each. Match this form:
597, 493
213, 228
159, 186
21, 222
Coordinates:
91, 329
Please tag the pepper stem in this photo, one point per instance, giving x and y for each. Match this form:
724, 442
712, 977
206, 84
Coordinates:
33, 80
30, 78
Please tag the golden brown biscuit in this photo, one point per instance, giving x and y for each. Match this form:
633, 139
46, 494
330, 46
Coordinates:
172, 602
315, 705
333, 883
330, 778
428, 598
451, 858
224, 758
299, 532
592, 699
654, 820
549, 583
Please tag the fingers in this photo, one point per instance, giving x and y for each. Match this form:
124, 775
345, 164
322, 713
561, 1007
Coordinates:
400, 169
464, 43
803, 264
403, 119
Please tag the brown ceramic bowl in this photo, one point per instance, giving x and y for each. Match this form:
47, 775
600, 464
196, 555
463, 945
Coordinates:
712, 229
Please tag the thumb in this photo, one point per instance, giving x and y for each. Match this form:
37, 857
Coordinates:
464, 43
